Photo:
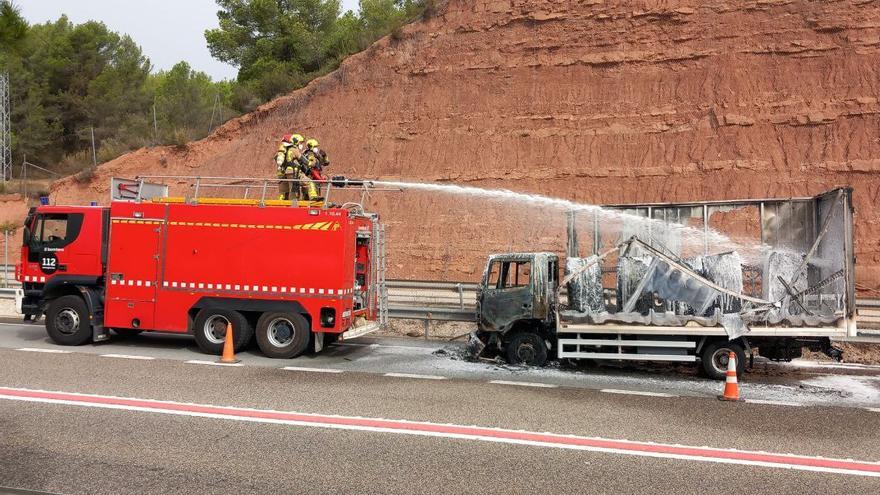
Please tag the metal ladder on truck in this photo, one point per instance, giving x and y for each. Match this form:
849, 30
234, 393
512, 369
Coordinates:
379, 261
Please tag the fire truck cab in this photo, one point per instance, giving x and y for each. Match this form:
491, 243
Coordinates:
295, 276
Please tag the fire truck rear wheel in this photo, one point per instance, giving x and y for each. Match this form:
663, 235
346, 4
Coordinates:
67, 321
209, 330
282, 335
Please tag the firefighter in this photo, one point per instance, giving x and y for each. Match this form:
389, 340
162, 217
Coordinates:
287, 159
312, 164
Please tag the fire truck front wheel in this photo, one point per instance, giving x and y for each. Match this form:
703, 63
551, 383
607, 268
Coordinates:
67, 321
209, 330
282, 335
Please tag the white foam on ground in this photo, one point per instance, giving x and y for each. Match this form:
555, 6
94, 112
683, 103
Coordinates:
857, 387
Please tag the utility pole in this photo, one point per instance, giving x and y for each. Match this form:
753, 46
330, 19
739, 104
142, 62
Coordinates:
213, 111
155, 125
94, 155
5, 129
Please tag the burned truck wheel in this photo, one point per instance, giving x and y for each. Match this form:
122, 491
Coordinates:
283, 335
526, 348
209, 330
715, 356
67, 321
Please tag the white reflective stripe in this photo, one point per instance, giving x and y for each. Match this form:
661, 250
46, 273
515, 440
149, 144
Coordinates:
330, 291
201, 286
42, 279
302, 290
173, 284
210, 286
265, 289
311, 291
112, 281
139, 283
131, 283
27, 278
228, 287
192, 285
246, 287
320, 291
237, 287
164, 284
274, 289
284, 289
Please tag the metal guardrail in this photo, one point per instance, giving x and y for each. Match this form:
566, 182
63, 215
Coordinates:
456, 301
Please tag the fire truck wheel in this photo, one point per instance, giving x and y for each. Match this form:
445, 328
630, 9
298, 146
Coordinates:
282, 335
526, 348
67, 321
209, 330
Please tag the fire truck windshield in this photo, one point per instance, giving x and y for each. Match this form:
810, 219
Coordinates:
54, 231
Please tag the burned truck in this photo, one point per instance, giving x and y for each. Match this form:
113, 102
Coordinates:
685, 282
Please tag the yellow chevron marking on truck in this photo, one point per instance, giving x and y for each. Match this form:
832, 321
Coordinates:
319, 226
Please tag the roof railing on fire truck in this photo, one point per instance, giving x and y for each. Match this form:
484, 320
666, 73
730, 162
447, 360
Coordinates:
262, 185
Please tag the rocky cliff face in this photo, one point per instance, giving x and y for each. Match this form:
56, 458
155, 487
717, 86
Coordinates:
600, 102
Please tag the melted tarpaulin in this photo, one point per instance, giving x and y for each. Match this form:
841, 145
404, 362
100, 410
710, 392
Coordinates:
585, 289
678, 282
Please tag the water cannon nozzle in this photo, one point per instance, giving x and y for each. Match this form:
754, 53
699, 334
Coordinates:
343, 181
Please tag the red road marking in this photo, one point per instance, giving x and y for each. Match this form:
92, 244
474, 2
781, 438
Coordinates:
788, 461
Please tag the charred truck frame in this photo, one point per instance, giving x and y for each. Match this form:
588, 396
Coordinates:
663, 283
296, 274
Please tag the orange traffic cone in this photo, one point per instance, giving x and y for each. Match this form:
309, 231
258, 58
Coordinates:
228, 356
731, 386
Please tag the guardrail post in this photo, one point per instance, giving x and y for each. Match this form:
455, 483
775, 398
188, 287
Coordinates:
460, 296
6, 258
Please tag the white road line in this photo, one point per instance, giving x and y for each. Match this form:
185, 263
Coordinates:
453, 431
524, 384
773, 402
311, 370
411, 375
385, 346
48, 351
635, 392
212, 363
128, 356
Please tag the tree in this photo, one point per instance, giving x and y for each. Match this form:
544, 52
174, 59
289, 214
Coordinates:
13, 27
70, 78
185, 102
279, 45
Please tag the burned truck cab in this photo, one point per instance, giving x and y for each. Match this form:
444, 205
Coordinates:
516, 305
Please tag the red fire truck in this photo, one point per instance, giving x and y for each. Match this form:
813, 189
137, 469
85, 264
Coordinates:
296, 276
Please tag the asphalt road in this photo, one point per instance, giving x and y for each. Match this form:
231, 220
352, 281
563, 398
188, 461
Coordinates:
94, 443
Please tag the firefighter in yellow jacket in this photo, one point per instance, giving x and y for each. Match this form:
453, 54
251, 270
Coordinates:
312, 162
288, 160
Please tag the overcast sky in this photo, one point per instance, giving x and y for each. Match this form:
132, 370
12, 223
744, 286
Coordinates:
168, 30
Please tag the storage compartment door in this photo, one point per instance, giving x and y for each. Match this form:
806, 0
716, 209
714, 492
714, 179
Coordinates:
133, 272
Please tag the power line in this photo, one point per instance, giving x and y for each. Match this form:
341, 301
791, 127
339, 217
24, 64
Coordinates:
5, 129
